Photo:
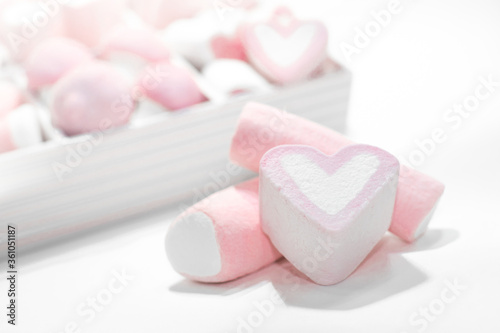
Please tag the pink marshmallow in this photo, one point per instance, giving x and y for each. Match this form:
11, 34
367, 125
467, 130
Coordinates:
6, 142
226, 47
10, 97
92, 97
262, 127
285, 50
89, 20
159, 13
53, 58
25, 23
220, 238
173, 87
326, 213
140, 42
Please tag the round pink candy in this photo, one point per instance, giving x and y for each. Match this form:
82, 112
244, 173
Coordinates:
92, 97
53, 58
172, 86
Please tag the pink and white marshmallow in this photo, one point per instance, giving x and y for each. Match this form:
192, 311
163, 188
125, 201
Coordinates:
92, 97
10, 97
25, 23
261, 128
220, 238
89, 20
202, 39
19, 128
160, 13
228, 47
326, 213
171, 86
140, 42
285, 50
53, 58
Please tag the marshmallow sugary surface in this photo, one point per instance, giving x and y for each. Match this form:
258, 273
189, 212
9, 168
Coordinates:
53, 58
220, 238
326, 213
92, 97
262, 127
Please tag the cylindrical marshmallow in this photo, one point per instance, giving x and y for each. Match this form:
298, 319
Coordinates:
262, 127
20, 128
220, 238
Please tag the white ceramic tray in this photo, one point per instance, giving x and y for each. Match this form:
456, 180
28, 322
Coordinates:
173, 157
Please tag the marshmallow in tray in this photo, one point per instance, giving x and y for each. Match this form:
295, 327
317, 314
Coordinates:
92, 97
285, 50
159, 13
205, 37
220, 238
53, 58
10, 97
232, 76
262, 127
19, 128
24, 23
4, 55
140, 42
228, 47
326, 213
171, 86
88, 20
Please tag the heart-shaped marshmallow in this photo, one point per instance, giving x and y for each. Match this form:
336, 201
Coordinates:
326, 213
285, 49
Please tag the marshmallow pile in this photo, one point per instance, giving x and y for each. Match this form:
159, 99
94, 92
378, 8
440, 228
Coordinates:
321, 201
70, 68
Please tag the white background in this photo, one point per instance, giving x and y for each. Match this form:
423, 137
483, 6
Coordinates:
428, 58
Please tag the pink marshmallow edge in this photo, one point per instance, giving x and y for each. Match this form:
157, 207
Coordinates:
6, 143
243, 246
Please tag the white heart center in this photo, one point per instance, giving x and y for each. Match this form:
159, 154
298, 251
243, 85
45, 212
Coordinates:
330, 193
285, 51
